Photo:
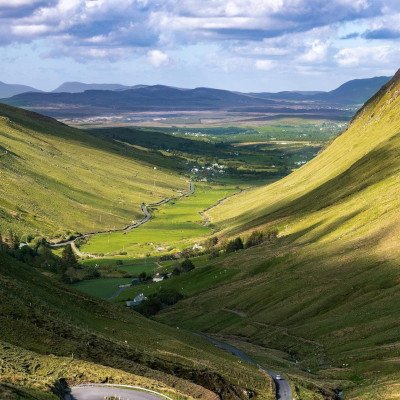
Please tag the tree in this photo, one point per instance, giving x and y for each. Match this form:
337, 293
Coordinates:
254, 239
169, 296
187, 265
13, 240
142, 276
211, 242
68, 257
234, 245
3, 245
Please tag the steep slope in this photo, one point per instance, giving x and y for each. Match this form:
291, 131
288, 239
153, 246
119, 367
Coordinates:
326, 291
56, 178
356, 91
358, 162
49, 332
8, 89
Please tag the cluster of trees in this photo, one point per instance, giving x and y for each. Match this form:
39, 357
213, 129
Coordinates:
185, 266
38, 254
157, 301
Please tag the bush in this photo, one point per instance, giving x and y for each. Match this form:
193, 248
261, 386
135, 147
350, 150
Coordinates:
169, 296
149, 307
155, 302
254, 239
187, 265
176, 271
234, 245
214, 253
211, 242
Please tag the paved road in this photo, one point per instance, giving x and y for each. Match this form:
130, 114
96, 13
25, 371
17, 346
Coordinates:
99, 392
283, 389
146, 218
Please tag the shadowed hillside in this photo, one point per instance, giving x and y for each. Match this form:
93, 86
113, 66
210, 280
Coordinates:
49, 332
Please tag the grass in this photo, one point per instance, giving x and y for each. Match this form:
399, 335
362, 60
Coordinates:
49, 331
92, 183
189, 284
174, 226
326, 292
103, 288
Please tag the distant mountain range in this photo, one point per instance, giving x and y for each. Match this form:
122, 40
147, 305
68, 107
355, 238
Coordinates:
80, 99
356, 91
78, 87
8, 90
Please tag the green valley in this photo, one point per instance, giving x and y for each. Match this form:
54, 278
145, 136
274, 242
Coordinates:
309, 290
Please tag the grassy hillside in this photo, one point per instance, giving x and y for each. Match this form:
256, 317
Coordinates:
56, 178
326, 291
49, 332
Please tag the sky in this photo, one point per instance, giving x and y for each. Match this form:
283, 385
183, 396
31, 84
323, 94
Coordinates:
246, 45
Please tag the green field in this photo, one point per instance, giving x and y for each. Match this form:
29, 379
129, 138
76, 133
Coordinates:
103, 288
286, 129
190, 283
174, 226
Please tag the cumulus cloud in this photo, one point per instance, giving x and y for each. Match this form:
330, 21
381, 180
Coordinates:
316, 52
355, 56
157, 58
264, 65
256, 33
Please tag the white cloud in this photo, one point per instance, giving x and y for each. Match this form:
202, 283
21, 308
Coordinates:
355, 56
264, 65
158, 58
316, 52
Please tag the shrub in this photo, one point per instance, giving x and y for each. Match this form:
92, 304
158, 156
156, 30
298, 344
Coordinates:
187, 265
234, 245
254, 239
176, 271
214, 253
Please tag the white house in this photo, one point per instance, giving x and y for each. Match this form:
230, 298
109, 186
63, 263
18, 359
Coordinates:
158, 278
136, 301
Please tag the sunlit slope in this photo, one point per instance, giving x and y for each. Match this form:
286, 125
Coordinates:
48, 332
348, 190
327, 290
56, 178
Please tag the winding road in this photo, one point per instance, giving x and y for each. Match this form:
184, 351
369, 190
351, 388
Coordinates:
122, 392
146, 218
283, 389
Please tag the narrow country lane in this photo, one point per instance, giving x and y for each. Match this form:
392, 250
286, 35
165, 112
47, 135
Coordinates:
123, 392
283, 389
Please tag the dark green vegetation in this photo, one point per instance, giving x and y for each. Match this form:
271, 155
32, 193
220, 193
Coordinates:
325, 292
49, 332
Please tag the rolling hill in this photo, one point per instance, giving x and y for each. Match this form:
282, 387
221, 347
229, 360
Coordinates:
50, 334
78, 87
326, 290
78, 100
55, 178
356, 91
9, 90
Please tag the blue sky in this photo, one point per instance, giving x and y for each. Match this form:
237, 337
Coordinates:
247, 45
